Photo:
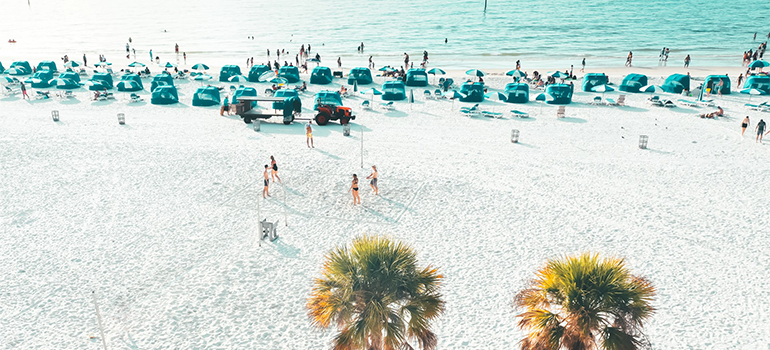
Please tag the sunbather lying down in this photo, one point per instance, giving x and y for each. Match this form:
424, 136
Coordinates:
718, 113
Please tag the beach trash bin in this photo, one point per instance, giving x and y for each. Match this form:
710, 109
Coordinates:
346, 129
643, 141
55, 116
256, 123
514, 136
121, 119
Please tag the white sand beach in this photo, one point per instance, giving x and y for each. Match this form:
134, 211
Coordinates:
159, 216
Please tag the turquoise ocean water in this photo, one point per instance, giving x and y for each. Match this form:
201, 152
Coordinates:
545, 34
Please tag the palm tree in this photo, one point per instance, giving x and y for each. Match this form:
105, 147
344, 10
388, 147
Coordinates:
376, 296
585, 303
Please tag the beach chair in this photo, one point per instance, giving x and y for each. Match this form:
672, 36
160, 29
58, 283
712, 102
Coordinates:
705, 103
560, 112
597, 100
519, 114
438, 94
428, 94
621, 100
388, 106
489, 114
366, 105
11, 90
135, 98
471, 111
655, 101
42, 95
610, 102
687, 103
668, 103
764, 107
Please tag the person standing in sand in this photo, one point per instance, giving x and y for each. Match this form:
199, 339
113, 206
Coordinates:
309, 134
354, 188
274, 171
760, 128
265, 191
740, 80
745, 124
23, 91
584, 65
373, 182
406, 60
339, 62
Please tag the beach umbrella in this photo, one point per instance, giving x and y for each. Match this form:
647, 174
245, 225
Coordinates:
515, 73
200, 66
72, 64
759, 64
411, 95
237, 78
387, 69
751, 92
651, 88
454, 94
436, 71
558, 75
355, 85
12, 71
266, 76
279, 81
495, 96
475, 73
136, 64
203, 77
10, 80
169, 65
102, 64
371, 91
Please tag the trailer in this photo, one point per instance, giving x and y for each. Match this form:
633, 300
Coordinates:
291, 107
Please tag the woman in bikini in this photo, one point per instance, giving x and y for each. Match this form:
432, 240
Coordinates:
354, 189
373, 183
274, 172
745, 125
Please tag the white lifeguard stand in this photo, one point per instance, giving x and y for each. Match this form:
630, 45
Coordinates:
643, 141
55, 115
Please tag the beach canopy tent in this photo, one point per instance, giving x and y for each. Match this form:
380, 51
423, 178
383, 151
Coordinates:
47, 65
290, 73
594, 79
561, 94
416, 77
676, 83
244, 91
393, 91
228, 71
759, 82
130, 82
161, 80
474, 92
100, 81
206, 96
41, 79
360, 75
632, 82
327, 98
256, 71
284, 93
712, 82
517, 93
19, 68
164, 95
71, 76
321, 76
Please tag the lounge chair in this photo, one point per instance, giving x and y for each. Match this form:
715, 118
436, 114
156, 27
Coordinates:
495, 115
597, 100
560, 112
706, 103
135, 98
519, 114
764, 107
655, 101
621, 100
438, 94
610, 102
388, 106
688, 103
428, 94
366, 105
42, 95
11, 90
668, 104
471, 111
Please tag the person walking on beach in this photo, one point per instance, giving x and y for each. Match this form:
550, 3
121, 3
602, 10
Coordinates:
184, 55
518, 64
740, 80
584, 65
265, 190
23, 91
406, 59
150, 54
339, 62
85, 61
309, 134
134, 52
354, 188
371, 63
274, 171
225, 107
744, 125
760, 129
629, 58
373, 182
687, 61
176, 48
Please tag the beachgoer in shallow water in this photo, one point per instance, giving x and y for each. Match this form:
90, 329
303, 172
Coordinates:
687, 61
629, 58
745, 124
354, 188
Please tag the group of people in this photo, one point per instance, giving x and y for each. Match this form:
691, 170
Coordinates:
760, 128
753, 55
372, 182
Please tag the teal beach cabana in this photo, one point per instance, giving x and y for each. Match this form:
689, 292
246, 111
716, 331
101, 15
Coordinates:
228, 71
206, 96
416, 77
561, 94
244, 91
41, 79
759, 82
164, 95
676, 83
130, 82
100, 81
321, 76
393, 91
594, 79
284, 93
256, 71
474, 92
632, 82
327, 98
47, 65
360, 75
517, 93
19, 68
162, 79
712, 81
290, 73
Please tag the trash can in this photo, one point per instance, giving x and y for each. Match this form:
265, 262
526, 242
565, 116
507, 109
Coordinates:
514, 136
346, 129
256, 123
643, 141
121, 119
55, 116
